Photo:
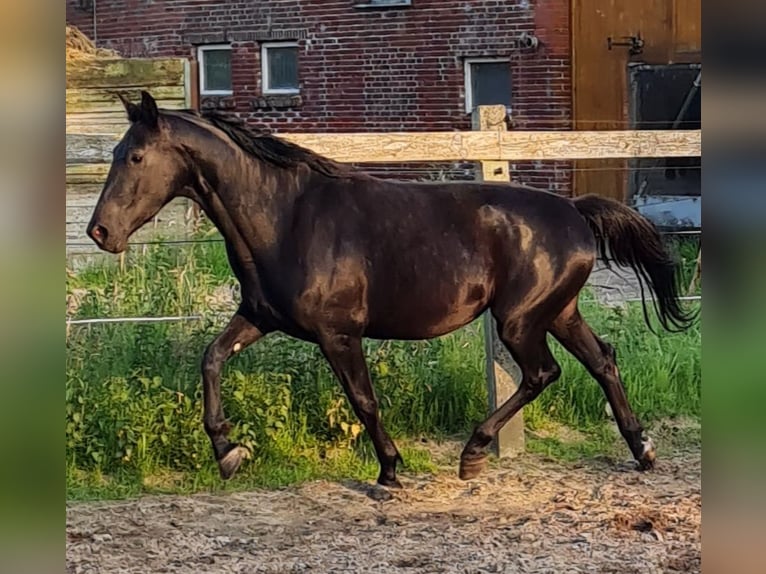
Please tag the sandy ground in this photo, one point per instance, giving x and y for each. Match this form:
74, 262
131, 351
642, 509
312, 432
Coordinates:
523, 515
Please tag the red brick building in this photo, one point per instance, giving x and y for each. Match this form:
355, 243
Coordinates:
364, 65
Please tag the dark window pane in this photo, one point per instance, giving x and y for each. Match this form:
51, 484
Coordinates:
283, 68
217, 70
491, 83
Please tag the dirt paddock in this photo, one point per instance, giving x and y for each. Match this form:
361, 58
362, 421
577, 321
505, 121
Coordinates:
523, 515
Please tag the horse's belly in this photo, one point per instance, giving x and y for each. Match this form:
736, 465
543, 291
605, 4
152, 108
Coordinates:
427, 313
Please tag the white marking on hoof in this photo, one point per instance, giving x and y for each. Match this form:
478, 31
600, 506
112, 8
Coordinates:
237, 347
648, 444
230, 463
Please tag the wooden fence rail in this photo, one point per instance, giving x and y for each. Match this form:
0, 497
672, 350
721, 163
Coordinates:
402, 147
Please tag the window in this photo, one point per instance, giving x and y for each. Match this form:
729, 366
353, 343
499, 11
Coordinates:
487, 82
214, 70
279, 68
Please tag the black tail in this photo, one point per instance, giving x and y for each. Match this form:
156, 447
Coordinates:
632, 240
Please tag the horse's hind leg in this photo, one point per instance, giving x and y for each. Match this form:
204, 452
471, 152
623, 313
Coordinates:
526, 343
599, 358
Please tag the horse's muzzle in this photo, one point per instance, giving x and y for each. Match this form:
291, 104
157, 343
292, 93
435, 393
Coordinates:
101, 237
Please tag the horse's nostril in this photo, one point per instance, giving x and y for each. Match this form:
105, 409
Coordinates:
99, 233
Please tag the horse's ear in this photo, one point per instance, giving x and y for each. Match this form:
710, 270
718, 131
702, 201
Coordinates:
134, 112
149, 112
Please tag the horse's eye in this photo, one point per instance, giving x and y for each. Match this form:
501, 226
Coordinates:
136, 158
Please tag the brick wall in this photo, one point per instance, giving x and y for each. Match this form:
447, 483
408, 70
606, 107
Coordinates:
366, 69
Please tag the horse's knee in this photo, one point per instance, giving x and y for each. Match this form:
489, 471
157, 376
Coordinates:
212, 360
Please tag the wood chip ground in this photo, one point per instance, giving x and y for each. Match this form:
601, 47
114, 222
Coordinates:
527, 515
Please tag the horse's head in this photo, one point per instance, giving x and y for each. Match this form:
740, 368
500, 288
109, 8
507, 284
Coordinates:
147, 171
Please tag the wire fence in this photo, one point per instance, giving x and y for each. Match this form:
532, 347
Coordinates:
218, 316
680, 232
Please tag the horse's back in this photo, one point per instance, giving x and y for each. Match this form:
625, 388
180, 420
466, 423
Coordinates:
422, 259
446, 228
479, 209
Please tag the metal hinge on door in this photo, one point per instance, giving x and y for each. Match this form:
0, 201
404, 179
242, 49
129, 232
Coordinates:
634, 43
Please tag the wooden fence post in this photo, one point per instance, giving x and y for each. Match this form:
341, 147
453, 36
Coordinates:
191, 85
502, 372
697, 277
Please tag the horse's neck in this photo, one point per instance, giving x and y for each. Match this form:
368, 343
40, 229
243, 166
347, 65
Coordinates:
250, 204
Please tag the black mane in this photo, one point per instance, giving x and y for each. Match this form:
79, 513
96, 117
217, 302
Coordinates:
269, 148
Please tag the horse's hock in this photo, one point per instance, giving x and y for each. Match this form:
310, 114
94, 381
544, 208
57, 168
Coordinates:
95, 121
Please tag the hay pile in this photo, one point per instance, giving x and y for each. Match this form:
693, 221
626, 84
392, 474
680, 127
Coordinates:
80, 47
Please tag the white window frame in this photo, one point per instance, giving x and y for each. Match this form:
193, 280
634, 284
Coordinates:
200, 59
265, 68
467, 76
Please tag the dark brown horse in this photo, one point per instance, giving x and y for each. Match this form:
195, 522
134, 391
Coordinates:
330, 255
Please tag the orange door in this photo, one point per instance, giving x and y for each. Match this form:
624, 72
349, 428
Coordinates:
600, 78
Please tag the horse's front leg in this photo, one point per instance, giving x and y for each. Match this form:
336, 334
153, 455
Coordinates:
345, 355
237, 335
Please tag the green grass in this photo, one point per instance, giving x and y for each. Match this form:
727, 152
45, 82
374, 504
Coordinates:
133, 396
599, 442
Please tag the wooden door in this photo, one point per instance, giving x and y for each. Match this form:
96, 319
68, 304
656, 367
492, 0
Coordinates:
600, 79
687, 30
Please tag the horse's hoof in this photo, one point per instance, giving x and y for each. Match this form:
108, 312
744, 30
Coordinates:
648, 456
472, 467
380, 493
390, 483
229, 464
